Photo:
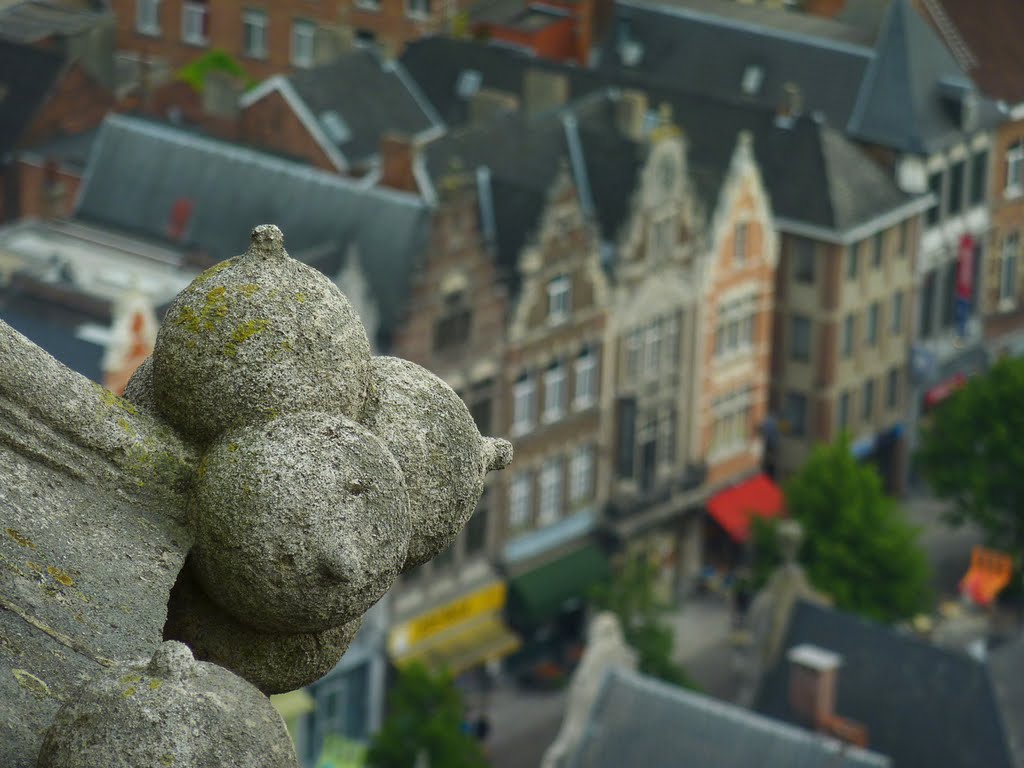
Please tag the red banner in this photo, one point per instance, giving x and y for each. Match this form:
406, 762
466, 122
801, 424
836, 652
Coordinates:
965, 268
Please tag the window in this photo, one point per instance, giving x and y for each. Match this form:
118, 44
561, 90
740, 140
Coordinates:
303, 43
554, 392
469, 83
934, 213
524, 404
849, 331
878, 252
367, 5
476, 528
652, 348
558, 300
979, 177
949, 295
254, 30
803, 260
195, 22
799, 338
417, 9
550, 492
735, 330
672, 340
1014, 163
451, 330
586, 379
520, 501
852, 259
740, 243
1008, 267
896, 318
868, 403
926, 324
871, 333
582, 474
892, 388
955, 203
794, 413
633, 345
843, 411
732, 414
147, 17
667, 435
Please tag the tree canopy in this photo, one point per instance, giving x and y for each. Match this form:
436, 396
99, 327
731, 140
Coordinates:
858, 547
632, 597
425, 716
972, 453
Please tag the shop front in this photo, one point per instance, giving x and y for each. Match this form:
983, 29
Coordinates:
730, 514
549, 605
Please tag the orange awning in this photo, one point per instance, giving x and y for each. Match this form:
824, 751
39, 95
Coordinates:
733, 508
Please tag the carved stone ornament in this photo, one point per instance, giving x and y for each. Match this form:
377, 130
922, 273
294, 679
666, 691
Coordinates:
261, 485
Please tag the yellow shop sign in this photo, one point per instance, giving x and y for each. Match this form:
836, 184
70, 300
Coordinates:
490, 599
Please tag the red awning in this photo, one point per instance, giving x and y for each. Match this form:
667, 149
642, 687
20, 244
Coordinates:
733, 508
940, 392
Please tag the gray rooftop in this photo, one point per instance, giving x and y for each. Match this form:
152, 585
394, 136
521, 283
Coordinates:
640, 721
140, 169
29, 21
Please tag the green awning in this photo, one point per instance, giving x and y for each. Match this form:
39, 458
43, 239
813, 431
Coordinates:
537, 596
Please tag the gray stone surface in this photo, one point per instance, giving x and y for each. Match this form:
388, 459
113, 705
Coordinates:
173, 712
432, 434
274, 663
256, 336
297, 517
302, 523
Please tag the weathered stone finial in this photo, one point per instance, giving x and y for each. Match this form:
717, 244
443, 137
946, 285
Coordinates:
266, 241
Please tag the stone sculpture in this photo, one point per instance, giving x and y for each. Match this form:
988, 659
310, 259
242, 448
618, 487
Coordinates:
262, 484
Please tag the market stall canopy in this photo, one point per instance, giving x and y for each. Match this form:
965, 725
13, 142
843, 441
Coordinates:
733, 508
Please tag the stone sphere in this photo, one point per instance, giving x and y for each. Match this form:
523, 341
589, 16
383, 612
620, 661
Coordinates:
257, 336
442, 455
139, 389
173, 711
302, 523
273, 662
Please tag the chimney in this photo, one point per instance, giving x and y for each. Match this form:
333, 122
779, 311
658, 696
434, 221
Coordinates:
631, 113
397, 159
487, 104
790, 105
544, 90
813, 681
220, 94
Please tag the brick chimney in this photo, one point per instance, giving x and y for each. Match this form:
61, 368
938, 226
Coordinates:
543, 90
631, 113
813, 681
397, 159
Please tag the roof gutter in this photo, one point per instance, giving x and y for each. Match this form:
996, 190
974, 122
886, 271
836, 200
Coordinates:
859, 232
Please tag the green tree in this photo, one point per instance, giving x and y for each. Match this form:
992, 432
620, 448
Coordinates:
425, 715
858, 547
632, 597
972, 454
214, 61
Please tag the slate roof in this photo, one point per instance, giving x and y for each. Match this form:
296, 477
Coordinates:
988, 36
371, 95
922, 705
139, 169
29, 21
71, 152
901, 103
696, 46
839, 187
639, 721
27, 75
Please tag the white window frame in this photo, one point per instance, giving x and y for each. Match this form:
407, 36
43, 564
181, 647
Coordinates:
524, 405
414, 10
147, 17
652, 348
559, 300
585, 373
257, 19
520, 501
1014, 169
550, 506
634, 351
193, 23
872, 323
896, 319
734, 333
731, 417
1008, 264
303, 43
581, 474
555, 386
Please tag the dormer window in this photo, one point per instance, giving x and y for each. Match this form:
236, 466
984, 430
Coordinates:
753, 77
559, 300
